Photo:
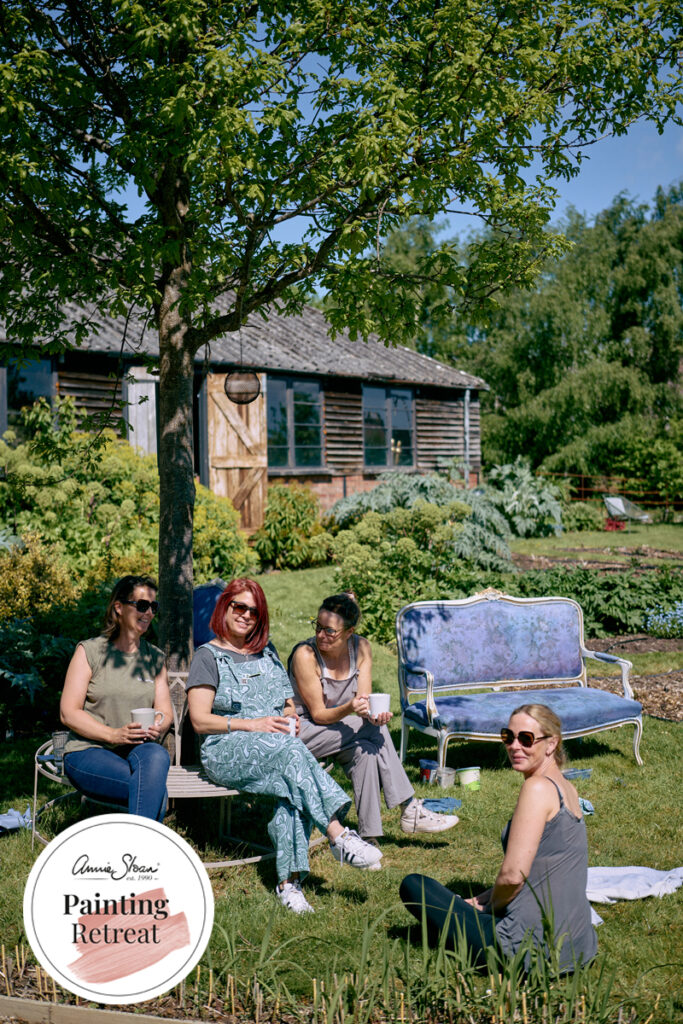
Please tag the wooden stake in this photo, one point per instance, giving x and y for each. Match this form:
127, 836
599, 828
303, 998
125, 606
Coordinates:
525, 1017
210, 986
402, 1010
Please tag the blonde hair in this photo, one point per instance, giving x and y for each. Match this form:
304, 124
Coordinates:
549, 723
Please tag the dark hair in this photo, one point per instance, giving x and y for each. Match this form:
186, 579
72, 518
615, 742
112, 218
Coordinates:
549, 723
123, 591
258, 637
345, 606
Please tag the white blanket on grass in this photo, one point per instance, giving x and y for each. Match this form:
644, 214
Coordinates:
607, 885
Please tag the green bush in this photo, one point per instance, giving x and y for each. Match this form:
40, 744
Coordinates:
582, 515
483, 540
613, 603
98, 509
292, 536
220, 548
529, 503
405, 555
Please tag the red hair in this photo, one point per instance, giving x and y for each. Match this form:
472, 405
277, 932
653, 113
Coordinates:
258, 637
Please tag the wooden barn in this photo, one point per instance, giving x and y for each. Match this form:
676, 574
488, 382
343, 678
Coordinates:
331, 414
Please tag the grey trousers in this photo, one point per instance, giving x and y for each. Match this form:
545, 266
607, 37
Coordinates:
368, 756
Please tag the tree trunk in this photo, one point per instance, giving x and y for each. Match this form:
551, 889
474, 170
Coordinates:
176, 481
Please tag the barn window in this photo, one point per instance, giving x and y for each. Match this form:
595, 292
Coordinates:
388, 427
294, 423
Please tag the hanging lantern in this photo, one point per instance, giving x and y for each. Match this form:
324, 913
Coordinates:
242, 386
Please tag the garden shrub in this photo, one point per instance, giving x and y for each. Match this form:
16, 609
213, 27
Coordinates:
100, 515
483, 540
582, 515
613, 603
405, 555
220, 548
292, 536
32, 580
529, 503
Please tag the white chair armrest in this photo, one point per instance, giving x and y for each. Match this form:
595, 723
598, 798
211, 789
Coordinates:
625, 666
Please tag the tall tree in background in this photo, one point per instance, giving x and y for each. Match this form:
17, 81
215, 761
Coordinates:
584, 369
232, 119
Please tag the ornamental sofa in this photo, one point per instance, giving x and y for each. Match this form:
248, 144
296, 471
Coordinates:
464, 666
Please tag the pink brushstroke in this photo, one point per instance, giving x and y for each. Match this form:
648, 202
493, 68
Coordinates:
106, 961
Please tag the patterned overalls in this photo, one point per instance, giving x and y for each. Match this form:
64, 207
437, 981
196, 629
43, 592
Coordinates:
271, 763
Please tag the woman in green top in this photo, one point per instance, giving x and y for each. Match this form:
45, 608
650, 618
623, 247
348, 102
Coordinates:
107, 756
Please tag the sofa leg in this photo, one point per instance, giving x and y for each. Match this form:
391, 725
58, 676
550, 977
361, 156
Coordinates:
636, 741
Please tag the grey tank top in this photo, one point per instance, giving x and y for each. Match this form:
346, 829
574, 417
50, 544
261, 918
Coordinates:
557, 880
335, 691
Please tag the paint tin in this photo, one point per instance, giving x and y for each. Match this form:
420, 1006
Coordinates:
428, 770
469, 778
445, 777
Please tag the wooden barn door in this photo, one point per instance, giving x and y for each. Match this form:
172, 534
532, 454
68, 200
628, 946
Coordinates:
238, 451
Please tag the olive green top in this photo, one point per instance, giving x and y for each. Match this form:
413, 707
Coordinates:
119, 683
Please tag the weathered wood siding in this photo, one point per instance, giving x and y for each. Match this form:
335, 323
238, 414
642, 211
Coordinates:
95, 393
343, 429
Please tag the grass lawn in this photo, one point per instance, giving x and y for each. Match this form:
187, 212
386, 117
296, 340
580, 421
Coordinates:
621, 546
359, 927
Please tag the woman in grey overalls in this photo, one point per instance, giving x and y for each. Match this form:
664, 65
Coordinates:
331, 675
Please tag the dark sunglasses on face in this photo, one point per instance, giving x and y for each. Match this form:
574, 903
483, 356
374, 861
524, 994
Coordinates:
526, 739
143, 606
244, 609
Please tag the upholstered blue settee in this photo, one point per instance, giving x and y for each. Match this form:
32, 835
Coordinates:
465, 665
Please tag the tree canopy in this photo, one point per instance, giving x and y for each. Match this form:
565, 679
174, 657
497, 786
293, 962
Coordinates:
234, 119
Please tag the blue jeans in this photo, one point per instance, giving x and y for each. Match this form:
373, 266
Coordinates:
134, 777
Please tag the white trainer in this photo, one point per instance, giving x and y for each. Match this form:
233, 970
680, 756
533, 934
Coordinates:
416, 818
349, 848
291, 896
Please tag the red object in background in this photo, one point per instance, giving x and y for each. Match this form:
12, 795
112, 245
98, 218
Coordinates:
615, 524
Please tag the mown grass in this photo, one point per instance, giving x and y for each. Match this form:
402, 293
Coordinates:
360, 928
604, 546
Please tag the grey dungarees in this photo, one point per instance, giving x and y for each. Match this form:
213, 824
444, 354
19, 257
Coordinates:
365, 751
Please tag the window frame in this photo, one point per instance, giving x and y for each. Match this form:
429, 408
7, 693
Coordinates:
389, 392
291, 465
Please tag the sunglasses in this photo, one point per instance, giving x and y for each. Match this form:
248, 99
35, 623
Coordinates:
244, 609
526, 738
327, 630
143, 606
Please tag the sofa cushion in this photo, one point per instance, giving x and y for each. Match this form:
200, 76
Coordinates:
577, 707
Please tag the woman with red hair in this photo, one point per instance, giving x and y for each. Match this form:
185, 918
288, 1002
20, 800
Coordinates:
240, 703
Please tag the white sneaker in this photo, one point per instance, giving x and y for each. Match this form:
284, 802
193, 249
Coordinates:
291, 896
416, 818
349, 848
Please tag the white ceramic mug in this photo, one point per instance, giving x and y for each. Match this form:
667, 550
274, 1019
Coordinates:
147, 717
379, 703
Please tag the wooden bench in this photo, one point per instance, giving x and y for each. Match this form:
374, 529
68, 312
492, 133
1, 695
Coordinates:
464, 666
185, 781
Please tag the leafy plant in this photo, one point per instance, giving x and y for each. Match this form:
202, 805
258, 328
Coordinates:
582, 515
292, 536
530, 504
407, 554
612, 603
482, 541
101, 517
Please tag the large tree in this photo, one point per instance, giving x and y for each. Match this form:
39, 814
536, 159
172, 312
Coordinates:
233, 118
